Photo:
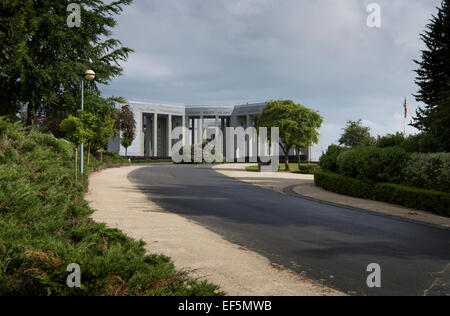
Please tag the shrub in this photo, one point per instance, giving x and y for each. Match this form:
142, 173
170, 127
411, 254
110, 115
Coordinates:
429, 171
374, 164
420, 199
422, 143
391, 140
45, 225
307, 168
328, 161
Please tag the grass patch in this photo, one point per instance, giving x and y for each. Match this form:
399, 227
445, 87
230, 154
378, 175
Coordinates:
294, 168
152, 161
45, 226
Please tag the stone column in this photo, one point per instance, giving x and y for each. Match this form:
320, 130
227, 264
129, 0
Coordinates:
184, 119
155, 135
248, 146
193, 132
200, 126
169, 136
148, 136
217, 124
224, 135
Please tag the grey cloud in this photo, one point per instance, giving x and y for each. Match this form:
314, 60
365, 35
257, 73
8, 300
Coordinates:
319, 53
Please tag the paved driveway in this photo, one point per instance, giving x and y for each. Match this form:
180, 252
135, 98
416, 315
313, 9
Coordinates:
330, 244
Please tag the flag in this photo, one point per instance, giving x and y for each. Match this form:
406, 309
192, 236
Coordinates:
406, 109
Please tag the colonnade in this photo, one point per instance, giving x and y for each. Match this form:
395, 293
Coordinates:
196, 125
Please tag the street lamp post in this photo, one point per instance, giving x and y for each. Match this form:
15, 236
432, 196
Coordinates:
89, 75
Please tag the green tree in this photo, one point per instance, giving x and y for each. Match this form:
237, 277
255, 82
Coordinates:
105, 115
76, 134
89, 122
355, 134
46, 77
433, 78
127, 126
298, 125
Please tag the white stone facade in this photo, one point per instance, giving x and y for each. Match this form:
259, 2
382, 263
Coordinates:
154, 140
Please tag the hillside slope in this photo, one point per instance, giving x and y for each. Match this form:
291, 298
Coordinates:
45, 226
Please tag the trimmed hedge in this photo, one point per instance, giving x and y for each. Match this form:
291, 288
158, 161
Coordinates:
419, 199
307, 168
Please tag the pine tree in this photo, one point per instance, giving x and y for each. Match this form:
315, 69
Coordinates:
434, 78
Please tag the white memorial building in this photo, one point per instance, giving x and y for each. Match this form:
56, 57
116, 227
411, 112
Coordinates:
155, 123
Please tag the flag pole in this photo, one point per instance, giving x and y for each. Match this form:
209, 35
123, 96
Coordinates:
405, 106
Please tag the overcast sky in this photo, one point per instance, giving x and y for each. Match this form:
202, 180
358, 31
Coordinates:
319, 53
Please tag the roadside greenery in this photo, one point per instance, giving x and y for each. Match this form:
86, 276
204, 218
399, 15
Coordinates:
433, 78
298, 125
420, 199
127, 127
42, 60
355, 134
303, 168
45, 225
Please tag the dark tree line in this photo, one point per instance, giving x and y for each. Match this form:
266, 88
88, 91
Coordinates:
433, 78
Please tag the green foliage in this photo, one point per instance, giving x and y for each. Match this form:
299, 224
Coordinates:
328, 161
374, 164
426, 200
307, 168
127, 126
42, 60
433, 78
297, 124
391, 140
422, 143
75, 130
355, 134
430, 171
45, 225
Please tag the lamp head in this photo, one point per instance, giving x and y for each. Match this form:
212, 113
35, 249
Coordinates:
89, 75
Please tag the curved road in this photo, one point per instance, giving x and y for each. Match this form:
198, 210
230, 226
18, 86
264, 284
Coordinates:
327, 243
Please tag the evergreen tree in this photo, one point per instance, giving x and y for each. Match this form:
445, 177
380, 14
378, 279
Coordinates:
434, 78
53, 57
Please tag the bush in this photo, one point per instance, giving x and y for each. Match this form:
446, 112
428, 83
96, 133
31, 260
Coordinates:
328, 161
374, 164
391, 140
429, 171
45, 225
422, 143
307, 168
420, 199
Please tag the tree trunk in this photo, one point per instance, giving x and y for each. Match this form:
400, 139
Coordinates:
286, 160
126, 152
88, 154
76, 163
30, 109
101, 154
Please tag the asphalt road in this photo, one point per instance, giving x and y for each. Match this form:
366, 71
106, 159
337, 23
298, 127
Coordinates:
327, 243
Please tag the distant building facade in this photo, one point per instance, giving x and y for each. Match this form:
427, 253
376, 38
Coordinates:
155, 123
